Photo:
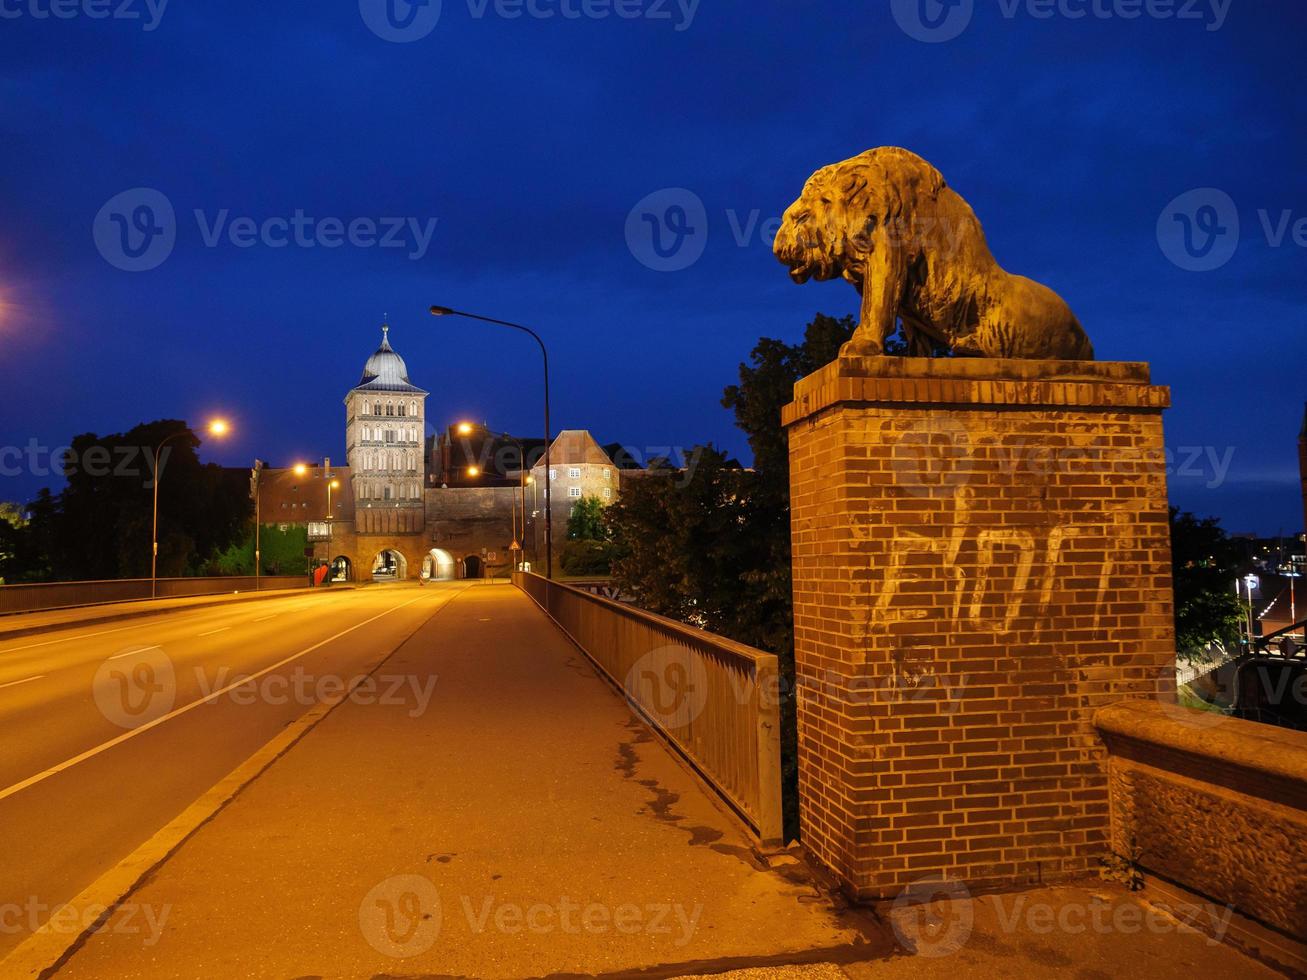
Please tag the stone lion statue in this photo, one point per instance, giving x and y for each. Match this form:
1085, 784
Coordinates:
887, 222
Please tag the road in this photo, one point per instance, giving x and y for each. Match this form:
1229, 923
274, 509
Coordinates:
111, 730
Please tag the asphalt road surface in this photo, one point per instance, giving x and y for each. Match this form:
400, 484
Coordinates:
109, 731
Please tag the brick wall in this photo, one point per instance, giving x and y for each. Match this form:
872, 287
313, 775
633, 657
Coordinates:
981, 559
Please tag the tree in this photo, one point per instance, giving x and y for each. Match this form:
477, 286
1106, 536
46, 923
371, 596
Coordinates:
1205, 564
587, 521
99, 526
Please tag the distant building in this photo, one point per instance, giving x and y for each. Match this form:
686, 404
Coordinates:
1302, 469
449, 506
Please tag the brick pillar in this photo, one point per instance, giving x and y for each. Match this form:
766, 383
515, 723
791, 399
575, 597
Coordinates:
981, 560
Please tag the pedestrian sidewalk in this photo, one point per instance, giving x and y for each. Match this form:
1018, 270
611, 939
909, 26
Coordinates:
523, 824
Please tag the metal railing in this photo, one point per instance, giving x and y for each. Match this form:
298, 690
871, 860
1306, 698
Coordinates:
41, 596
715, 701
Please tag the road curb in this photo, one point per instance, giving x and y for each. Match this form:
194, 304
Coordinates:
44, 952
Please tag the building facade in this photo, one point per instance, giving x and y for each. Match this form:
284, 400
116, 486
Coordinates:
453, 505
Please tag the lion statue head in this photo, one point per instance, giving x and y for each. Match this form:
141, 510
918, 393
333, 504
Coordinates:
887, 222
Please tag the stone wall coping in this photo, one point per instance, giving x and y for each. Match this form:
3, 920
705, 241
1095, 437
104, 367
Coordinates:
1225, 743
978, 382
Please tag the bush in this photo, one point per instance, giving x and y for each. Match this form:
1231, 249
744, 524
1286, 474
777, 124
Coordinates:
587, 558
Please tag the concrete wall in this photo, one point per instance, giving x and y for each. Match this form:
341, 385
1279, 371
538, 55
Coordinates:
1214, 804
981, 560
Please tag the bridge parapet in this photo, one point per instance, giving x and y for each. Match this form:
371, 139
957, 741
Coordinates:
714, 701
1218, 806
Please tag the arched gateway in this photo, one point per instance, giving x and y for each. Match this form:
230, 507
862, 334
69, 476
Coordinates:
389, 566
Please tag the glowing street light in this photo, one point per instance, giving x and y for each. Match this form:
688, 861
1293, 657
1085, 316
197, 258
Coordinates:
474, 471
300, 469
465, 428
443, 311
216, 427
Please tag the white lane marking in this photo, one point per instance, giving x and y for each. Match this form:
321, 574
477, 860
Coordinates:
220, 629
120, 629
65, 639
131, 653
264, 619
176, 712
25, 680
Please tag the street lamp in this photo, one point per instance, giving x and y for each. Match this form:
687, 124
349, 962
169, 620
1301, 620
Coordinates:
331, 485
218, 428
544, 353
523, 479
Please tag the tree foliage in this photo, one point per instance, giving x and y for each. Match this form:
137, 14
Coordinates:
1205, 564
99, 526
282, 552
586, 522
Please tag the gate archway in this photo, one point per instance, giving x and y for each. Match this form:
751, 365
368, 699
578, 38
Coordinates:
472, 567
439, 565
342, 570
389, 566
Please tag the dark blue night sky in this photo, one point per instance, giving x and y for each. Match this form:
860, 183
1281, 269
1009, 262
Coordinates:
530, 139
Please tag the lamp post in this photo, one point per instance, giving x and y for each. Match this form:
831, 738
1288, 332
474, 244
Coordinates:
331, 485
544, 353
218, 428
473, 471
255, 475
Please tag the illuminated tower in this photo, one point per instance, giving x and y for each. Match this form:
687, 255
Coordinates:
384, 432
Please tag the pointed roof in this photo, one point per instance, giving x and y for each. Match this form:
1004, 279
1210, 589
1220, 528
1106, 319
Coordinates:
576, 446
385, 370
